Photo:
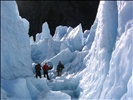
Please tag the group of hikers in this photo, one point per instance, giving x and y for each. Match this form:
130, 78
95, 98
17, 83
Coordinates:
45, 69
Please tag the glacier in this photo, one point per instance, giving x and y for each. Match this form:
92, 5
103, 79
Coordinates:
13, 49
98, 62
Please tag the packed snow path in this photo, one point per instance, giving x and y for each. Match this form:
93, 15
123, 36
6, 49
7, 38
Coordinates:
64, 85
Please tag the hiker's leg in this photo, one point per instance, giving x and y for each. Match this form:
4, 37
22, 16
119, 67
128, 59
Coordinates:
47, 75
39, 74
59, 73
36, 75
44, 73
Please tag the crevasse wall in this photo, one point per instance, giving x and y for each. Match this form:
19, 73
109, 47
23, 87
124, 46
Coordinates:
14, 43
109, 67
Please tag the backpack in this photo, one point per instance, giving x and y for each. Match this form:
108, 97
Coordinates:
50, 65
62, 66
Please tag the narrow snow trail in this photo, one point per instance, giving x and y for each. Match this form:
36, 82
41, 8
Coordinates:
64, 85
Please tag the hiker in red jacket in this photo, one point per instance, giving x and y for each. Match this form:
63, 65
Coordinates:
45, 70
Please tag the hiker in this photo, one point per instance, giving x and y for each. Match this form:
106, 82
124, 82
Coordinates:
60, 67
38, 69
45, 70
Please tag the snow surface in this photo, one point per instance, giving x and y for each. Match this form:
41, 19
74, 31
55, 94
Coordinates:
59, 33
75, 37
98, 62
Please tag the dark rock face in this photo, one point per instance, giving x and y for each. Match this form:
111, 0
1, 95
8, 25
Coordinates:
67, 13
